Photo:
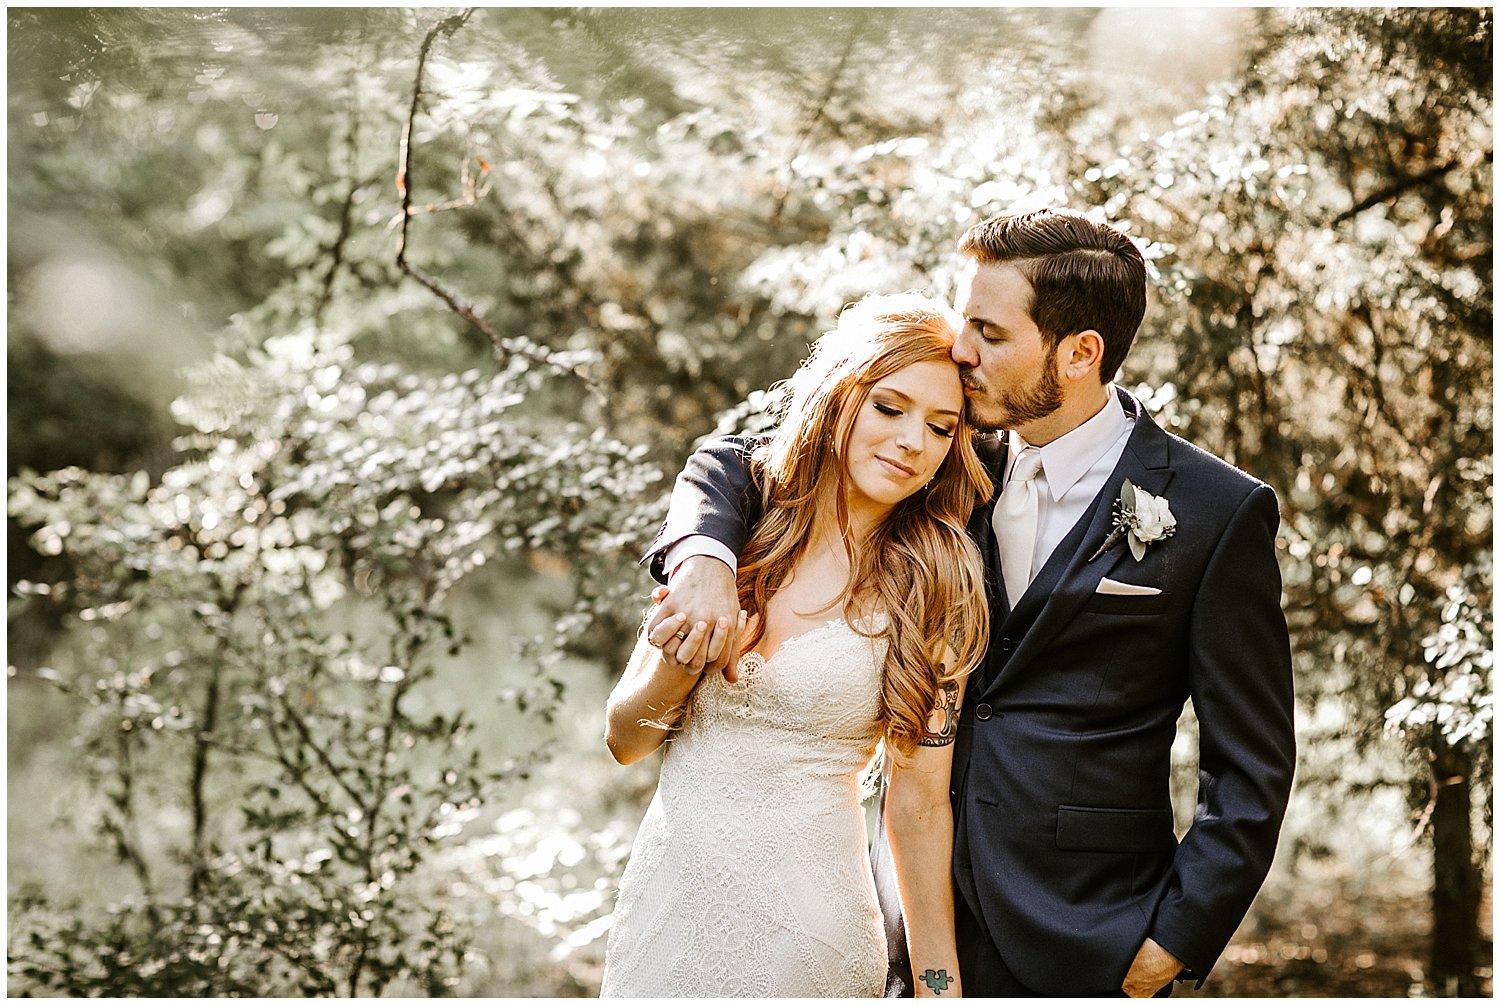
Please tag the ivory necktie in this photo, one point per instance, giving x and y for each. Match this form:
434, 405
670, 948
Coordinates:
1016, 518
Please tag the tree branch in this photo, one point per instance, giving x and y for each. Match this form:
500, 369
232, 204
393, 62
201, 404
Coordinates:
124, 831
346, 212
504, 347
1396, 188
199, 779
819, 112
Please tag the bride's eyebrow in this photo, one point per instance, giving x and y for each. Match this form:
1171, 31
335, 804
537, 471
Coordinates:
906, 398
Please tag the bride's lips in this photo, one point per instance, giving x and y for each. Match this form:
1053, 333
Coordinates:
896, 467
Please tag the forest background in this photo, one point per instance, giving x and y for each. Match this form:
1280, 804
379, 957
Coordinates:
352, 353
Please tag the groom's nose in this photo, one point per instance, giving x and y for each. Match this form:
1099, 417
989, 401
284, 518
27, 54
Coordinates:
965, 350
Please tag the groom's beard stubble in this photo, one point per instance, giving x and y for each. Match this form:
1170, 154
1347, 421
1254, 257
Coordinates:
1011, 409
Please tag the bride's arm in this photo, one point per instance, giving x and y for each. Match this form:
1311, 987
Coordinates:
650, 696
919, 827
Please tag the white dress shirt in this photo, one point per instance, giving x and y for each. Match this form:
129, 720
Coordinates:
1075, 467
691, 547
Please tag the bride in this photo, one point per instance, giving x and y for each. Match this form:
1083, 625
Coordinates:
863, 613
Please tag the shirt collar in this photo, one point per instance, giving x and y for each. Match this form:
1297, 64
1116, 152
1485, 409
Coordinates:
1067, 458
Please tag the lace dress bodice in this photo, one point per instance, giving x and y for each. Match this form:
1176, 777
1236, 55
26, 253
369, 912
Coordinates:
750, 875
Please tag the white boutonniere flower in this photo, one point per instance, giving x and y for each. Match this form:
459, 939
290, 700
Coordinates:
1140, 519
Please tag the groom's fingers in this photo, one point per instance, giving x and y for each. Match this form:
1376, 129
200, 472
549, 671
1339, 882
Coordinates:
703, 588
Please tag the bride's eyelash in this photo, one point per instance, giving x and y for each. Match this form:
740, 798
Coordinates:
889, 410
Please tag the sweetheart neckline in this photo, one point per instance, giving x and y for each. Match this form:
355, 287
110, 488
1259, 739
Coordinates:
766, 661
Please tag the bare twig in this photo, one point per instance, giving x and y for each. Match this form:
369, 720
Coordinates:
304, 734
127, 841
199, 779
202, 744
504, 347
819, 113
472, 194
346, 212
1396, 188
394, 715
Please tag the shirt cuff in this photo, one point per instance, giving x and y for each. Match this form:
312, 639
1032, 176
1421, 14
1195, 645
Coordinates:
692, 547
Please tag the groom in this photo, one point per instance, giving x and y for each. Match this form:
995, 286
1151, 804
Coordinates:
1070, 878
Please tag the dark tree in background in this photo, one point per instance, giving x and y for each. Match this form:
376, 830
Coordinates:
341, 336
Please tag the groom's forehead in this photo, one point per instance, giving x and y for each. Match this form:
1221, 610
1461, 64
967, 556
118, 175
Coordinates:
991, 289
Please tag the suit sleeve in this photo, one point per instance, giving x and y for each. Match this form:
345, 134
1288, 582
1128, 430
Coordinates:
715, 496
1240, 680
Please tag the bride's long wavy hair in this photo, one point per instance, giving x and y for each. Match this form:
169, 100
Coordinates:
918, 566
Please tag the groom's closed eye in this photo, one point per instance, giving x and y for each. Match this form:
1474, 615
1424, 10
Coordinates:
988, 330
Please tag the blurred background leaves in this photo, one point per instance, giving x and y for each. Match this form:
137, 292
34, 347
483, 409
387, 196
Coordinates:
317, 594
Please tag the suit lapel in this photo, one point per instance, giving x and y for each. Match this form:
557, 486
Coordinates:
992, 453
1146, 463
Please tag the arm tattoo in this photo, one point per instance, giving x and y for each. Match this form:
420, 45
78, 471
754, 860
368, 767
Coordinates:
948, 706
937, 981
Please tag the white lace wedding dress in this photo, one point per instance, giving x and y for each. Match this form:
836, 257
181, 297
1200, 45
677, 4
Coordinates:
750, 876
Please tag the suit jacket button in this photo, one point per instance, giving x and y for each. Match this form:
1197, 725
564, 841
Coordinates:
984, 711
1007, 644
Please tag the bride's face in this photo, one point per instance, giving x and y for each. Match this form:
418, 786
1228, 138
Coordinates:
902, 432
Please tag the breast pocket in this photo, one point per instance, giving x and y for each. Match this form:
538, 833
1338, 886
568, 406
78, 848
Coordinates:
1108, 603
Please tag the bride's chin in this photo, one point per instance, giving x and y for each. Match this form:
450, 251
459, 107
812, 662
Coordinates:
877, 503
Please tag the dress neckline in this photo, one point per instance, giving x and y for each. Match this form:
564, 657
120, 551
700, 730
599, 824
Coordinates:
790, 639
877, 619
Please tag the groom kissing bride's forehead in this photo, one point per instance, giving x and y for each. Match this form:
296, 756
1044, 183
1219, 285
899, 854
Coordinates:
1127, 572
1049, 299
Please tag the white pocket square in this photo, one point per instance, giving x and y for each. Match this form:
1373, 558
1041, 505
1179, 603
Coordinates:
1109, 586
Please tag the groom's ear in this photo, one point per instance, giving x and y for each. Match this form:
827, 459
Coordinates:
1081, 354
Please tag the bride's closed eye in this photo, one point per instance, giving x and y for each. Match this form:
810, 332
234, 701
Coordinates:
893, 411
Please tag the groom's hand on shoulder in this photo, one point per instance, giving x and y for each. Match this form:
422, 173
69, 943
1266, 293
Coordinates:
1153, 969
703, 588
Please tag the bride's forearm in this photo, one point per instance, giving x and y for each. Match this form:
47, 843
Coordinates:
645, 704
919, 826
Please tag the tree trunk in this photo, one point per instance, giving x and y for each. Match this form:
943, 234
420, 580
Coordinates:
1455, 878
199, 781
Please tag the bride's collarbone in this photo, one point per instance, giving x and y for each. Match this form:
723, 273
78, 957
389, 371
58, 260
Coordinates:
806, 601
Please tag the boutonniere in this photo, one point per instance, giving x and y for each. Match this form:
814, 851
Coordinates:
1141, 519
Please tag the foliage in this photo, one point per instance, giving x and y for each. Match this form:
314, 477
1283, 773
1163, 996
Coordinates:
674, 208
310, 483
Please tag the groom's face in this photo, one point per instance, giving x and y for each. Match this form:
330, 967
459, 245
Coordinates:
1009, 372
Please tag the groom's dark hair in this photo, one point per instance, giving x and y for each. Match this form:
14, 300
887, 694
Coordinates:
1083, 274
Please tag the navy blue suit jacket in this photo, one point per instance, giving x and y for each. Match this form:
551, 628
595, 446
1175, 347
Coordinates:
1064, 846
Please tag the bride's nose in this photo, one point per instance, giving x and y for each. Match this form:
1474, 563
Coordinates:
909, 439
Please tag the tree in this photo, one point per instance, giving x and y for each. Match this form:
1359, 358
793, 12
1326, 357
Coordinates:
486, 285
